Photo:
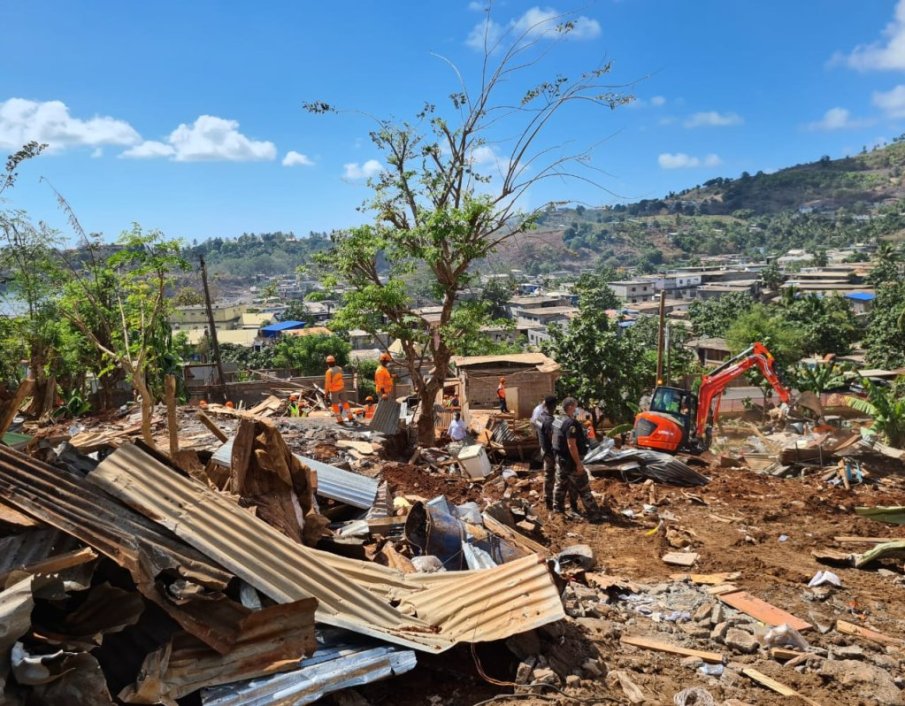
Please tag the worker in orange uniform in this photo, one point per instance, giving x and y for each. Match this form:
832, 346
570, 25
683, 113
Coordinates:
501, 395
589, 428
383, 378
370, 407
335, 386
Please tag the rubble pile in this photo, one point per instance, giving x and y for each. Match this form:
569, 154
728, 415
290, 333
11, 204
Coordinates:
268, 559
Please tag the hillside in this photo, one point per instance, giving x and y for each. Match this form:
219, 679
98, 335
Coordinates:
819, 205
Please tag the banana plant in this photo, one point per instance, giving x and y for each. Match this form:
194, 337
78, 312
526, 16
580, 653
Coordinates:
887, 407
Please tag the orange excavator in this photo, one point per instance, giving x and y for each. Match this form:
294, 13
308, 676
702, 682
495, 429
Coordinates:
679, 420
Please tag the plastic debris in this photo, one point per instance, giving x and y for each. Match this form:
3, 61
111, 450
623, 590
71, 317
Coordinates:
822, 577
783, 538
695, 696
784, 636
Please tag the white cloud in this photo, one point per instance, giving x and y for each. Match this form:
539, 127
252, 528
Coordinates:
49, 122
149, 149
891, 102
535, 23
354, 171
476, 6
887, 53
653, 102
680, 160
297, 159
658, 101
209, 138
712, 118
97, 153
838, 119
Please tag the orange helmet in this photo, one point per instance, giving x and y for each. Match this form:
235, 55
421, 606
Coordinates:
385, 358
502, 379
203, 404
293, 397
331, 360
369, 399
229, 404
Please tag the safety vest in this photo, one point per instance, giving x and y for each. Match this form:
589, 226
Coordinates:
501, 392
383, 381
333, 380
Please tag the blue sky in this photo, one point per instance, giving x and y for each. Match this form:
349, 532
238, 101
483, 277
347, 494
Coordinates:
186, 116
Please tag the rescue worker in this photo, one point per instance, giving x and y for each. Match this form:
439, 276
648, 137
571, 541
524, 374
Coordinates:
293, 410
501, 395
369, 407
383, 378
335, 387
571, 444
544, 425
589, 427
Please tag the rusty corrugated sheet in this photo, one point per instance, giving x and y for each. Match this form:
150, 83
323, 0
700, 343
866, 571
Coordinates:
64, 500
271, 640
331, 669
433, 615
386, 417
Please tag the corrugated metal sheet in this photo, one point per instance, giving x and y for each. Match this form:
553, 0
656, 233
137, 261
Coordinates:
331, 669
332, 482
386, 417
432, 615
513, 358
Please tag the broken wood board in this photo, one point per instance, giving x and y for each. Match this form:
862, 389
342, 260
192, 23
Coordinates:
866, 540
210, 424
847, 628
721, 588
762, 611
776, 686
658, 646
708, 579
783, 653
680, 558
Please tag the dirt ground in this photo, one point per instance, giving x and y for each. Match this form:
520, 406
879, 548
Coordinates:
760, 526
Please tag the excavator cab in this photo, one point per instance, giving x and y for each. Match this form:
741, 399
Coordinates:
668, 424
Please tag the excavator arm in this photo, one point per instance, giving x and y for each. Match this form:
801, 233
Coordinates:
713, 385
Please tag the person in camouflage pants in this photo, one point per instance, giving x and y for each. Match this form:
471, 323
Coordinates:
571, 444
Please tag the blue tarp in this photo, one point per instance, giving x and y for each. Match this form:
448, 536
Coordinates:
273, 330
861, 296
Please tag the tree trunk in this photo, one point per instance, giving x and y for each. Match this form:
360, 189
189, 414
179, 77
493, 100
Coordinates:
147, 407
428, 397
38, 407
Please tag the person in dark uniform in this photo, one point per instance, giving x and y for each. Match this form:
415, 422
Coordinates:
570, 444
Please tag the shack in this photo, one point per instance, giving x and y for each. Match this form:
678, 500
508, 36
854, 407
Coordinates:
529, 378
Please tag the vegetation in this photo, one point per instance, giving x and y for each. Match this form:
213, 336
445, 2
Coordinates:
887, 407
308, 354
885, 335
713, 317
251, 254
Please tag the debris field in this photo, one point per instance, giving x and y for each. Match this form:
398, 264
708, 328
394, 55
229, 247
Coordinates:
253, 558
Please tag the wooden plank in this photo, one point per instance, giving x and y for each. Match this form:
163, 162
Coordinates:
762, 611
847, 628
722, 588
526, 543
651, 644
169, 384
209, 423
53, 564
866, 540
783, 653
776, 686
708, 579
680, 558
10, 408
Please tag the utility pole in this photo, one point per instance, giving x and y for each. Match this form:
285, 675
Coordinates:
661, 336
668, 356
212, 329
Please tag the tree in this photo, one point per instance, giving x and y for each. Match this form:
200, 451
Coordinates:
122, 306
681, 360
772, 277
308, 353
714, 317
819, 258
885, 337
436, 207
819, 378
771, 328
188, 296
600, 367
496, 293
27, 259
297, 311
